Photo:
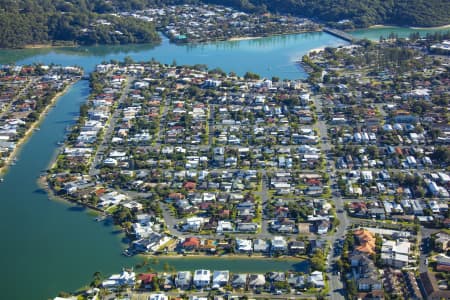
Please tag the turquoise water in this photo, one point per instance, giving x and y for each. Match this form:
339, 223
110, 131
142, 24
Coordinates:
375, 33
250, 265
266, 56
48, 246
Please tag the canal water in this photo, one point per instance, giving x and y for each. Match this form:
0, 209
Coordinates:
49, 246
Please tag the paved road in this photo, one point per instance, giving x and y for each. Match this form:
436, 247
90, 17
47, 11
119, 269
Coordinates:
145, 296
109, 131
337, 291
423, 236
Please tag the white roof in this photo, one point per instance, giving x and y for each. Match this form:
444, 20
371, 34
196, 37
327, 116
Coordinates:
202, 275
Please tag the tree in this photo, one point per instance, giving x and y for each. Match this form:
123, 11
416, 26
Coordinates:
318, 261
251, 76
442, 155
155, 284
97, 279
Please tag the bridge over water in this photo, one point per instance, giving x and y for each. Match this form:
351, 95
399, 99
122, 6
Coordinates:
341, 34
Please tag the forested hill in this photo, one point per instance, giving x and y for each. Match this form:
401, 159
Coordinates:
362, 13
24, 22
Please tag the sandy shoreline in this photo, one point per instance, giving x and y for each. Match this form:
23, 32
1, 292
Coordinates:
379, 26
437, 27
30, 130
320, 49
245, 38
49, 46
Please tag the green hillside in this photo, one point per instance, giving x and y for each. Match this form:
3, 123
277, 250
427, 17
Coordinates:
24, 22
362, 13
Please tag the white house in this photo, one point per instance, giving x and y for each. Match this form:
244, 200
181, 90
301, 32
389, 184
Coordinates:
243, 245
220, 278
316, 279
116, 280
202, 278
279, 244
159, 296
395, 253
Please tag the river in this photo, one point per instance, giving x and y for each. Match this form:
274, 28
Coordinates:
49, 246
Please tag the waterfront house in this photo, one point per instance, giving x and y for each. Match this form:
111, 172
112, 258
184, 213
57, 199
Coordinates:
146, 279
256, 281
116, 280
277, 277
191, 244
220, 278
297, 247
239, 281
202, 278
183, 280
260, 245
244, 245
279, 244
296, 281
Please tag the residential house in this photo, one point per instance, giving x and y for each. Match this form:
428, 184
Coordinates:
239, 281
220, 279
277, 277
431, 288
443, 263
323, 226
278, 244
202, 278
244, 245
366, 241
441, 242
316, 279
183, 280
191, 244
395, 253
260, 245
122, 279
158, 296
297, 247
256, 281
146, 279
296, 281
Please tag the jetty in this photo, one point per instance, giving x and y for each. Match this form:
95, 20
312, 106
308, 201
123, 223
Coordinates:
341, 34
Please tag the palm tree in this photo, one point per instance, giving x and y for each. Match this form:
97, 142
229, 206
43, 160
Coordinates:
97, 279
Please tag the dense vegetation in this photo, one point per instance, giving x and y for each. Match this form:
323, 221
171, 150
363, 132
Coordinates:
24, 22
360, 13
